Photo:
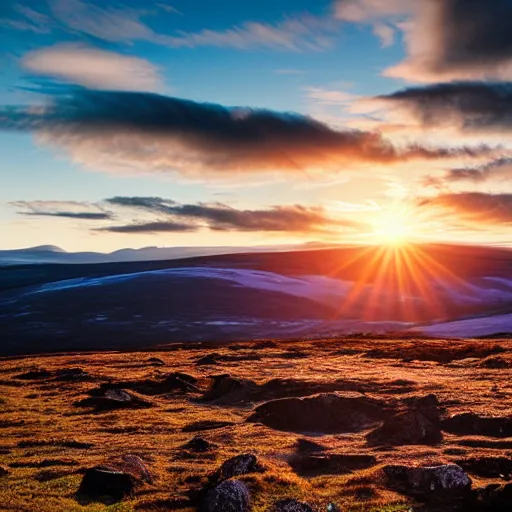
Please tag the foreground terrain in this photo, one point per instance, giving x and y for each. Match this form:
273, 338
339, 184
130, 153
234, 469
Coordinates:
348, 425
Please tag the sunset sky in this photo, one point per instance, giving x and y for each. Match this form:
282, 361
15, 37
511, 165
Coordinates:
189, 122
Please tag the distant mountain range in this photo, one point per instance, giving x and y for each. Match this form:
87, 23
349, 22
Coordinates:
53, 254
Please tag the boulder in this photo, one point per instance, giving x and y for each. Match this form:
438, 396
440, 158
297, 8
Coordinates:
488, 467
420, 424
330, 463
198, 445
72, 375
495, 498
305, 446
156, 361
101, 483
291, 505
113, 399
229, 496
470, 424
236, 466
324, 413
430, 481
227, 390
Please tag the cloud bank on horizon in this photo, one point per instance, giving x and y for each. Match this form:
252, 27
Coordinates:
112, 87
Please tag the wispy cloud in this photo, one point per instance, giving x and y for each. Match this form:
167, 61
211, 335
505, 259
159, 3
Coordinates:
63, 209
96, 69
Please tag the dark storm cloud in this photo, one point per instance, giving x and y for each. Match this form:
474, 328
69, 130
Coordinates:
470, 106
221, 217
457, 39
477, 207
147, 132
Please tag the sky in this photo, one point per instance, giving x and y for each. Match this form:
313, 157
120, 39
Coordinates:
142, 123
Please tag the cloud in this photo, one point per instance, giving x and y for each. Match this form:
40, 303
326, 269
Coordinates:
150, 228
221, 217
147, 133
457, 39
497, 170
156, 214
96, 69
474, 207
118, 23
63, 209
468, 106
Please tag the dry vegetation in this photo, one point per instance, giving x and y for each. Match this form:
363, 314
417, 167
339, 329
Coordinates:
48, 440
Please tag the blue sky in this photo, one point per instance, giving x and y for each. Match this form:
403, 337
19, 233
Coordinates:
337, 62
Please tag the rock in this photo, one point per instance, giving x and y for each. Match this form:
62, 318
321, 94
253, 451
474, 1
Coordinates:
156, 361
291, 506
199, 426
113, 399
495, 498
38, 374
198, 445
208, 360
102, 483
330, 464
3, 471
134, 466
324, 413
229, 496
167, 383
305, 446
227, 390
72, 375
434, 481
236, 466
470, 424
420, 424
488, 467
262, 345
495, 363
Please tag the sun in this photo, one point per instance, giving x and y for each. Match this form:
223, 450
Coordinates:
392, 227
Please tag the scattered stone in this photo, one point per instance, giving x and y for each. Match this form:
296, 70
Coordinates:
330, 464
113, 399
326, 413
421, 424
469, 423
263, 345
229, 496
495, 363
38, 374
3, 471
102, 483
199, 426
291, 506
305, 446
488, 467
198, 445
435, 481
156, 361
72, 375
237, 466
229, 390
208, 360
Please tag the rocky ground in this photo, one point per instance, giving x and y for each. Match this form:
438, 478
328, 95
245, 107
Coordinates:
347, 425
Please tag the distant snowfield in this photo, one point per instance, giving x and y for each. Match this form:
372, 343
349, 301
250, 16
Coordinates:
470, 328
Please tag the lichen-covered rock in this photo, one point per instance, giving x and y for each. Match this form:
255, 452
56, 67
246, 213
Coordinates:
229, 496
420, 424
198, 445
291, 505
434, 480
237, 466
470, 424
